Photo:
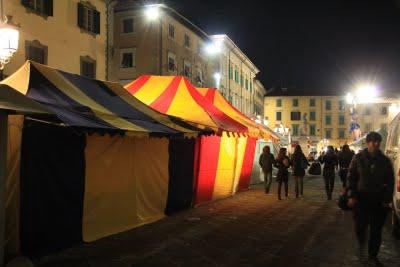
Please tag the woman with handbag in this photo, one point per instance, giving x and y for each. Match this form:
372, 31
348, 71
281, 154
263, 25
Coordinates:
282, 162
299, 166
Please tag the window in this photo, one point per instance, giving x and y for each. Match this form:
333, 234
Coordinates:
42, 7
236, 76
295, 129
328, 105
278, 116
199, 76
312, 116
312, 130
187, 68
342, 105
241, 80
172, 62
328, 133
127, 25
295, 102
187, 41
384, 111
341, 120
312, 102
342, 133
251, 86
279, 102
230, 72
328, 120
88, 67
127, 58
368, 127
384, 126
295, 116
246, 84
367, 111
88, 18
35, 51
171, 31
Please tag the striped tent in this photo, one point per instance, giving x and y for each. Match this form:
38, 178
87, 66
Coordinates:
215, 97
176, 96
91, 160
223, 162
82, 102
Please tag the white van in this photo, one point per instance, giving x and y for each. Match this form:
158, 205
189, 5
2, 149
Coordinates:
393, 152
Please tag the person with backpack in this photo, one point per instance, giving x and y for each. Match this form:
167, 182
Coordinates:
299, 165
266, 161
370, 191
330, 162
282, 163
344, 158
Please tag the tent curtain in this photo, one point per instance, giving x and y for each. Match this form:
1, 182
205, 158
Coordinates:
12, 192
248, 159
241, 145
126, 184
224, 180
52, 187
181, 174
207, 165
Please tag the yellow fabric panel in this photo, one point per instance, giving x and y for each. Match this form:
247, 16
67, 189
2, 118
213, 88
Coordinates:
151, 160
224, 179
73, 92
241, 149
203, 91
20, 79
126, 184
153, 88
12, 193
184, 106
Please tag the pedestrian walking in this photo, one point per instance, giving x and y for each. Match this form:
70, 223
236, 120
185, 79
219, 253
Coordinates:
370, 190
282, 163
330, 164
266, 162
299, 166
344, 158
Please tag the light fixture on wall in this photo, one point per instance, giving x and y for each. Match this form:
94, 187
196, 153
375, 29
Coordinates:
9, 37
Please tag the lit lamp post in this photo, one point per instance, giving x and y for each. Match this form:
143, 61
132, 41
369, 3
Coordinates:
364, 94
9, 37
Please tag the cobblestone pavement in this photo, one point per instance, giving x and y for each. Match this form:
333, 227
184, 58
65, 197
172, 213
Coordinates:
249, 229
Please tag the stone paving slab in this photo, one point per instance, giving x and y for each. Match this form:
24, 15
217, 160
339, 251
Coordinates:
249, 229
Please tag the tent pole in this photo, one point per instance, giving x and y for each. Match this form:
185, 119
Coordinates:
3, 165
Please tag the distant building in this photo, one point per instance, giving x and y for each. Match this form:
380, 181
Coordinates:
237, 80
316, 121
67, 35
167, 45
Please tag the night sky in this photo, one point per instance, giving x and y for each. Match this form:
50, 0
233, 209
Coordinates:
309, 45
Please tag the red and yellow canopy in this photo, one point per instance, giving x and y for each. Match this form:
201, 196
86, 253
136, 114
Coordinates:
176, 96
215, 97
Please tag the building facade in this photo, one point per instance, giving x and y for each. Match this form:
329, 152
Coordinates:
318, 121
67, 35
237, 76
167, 45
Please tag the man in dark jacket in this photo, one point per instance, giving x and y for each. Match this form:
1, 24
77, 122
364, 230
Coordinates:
266, 161
370, 190
344, 158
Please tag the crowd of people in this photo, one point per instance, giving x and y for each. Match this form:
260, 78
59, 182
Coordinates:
367, 180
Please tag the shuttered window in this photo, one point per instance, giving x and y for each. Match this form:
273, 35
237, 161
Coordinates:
42, 7
88, 67
88, 18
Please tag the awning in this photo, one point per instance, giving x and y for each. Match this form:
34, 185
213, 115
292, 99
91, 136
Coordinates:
215, 97
83, 102
175, 95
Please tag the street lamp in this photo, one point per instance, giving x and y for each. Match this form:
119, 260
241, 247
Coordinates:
152, 12
9, 37
217, 78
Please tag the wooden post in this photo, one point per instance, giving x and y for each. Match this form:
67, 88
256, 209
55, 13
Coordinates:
3, 165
